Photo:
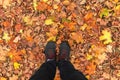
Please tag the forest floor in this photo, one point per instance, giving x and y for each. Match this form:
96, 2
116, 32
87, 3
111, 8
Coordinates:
92, 28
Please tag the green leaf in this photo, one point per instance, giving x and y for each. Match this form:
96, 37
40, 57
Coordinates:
104, 12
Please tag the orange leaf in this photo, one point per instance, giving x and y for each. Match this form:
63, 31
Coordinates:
6, 24
76, 37
30, 39
42, 6
18, 27
90, 68
88, 16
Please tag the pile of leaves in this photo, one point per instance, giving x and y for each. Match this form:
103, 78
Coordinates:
92, 28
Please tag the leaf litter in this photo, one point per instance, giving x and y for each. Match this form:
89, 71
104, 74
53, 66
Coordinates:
91, 27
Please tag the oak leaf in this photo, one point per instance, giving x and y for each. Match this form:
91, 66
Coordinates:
106, 37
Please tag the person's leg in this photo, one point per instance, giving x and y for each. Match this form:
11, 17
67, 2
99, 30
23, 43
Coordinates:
48, 69
67, 70
45, 72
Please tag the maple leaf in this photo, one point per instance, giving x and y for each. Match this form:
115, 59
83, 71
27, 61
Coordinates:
6, 36
48, 22
16, 55
104, 12
106, 36
117, 10
16, 65
90, 69
76, 37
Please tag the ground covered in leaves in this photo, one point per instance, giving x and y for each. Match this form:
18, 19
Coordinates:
92, 28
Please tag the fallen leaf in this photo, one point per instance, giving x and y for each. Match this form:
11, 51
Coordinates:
42, 6
16, 39
89, 56
18, 28
106, 75
6, 24
104, 12
48, 22
14, 77
76, 37
28, 20
90, 69
66, 2
16, 65
115, 1
106, 37
83, 27
88, 16
101, 58
35, 4
71, 6
5, 3
6, 36
3, 78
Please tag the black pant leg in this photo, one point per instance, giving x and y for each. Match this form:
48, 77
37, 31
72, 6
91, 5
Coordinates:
45, 72
68, 72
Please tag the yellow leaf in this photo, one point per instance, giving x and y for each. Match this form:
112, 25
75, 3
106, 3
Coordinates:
104, 12
115, 1
6, 36
45, 0
83, 27
5, 3
55, 6
16, 65
35, 4
106, 37
49, 21
28, 20
3, 78
52, 38
89, 57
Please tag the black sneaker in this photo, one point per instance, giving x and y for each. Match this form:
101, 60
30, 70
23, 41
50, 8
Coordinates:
50, 51
64, 51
